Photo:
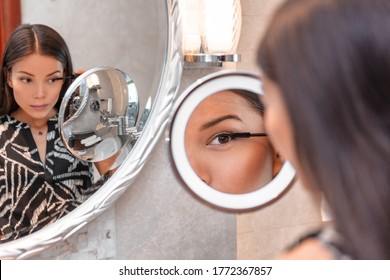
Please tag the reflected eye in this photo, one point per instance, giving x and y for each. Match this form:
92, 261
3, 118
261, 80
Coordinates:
226, 137
54, 80
220, 139
25, 80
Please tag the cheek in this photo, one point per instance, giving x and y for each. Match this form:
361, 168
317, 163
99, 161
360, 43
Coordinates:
273, 127
278, 126
219, 169
197, 162
248, 170
228, 175
54, 93
257, 163
19, 95
263, 158
55, 99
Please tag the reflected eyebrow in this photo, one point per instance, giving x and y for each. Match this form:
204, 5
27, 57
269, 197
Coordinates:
55, 72
27, 73
218, 120
24, 72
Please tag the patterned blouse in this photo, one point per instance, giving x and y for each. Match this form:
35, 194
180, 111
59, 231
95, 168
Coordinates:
329, 238
33, 195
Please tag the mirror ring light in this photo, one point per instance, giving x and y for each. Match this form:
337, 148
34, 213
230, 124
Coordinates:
190, 99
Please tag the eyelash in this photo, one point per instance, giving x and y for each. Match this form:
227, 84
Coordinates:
29, 80
25, 80
221, 134
54, 80
233, 135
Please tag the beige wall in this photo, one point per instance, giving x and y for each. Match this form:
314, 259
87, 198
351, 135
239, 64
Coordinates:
157, 218
107, 33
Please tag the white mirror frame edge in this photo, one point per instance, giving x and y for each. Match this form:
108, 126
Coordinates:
183, 108
104, 198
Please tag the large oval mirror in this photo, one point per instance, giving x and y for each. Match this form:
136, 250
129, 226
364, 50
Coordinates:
156, 75
219, 144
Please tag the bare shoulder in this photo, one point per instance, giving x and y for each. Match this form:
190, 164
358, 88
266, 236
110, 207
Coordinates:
310, 249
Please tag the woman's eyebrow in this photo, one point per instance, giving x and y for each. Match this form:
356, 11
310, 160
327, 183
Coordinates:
55, 72
24, 72
218, 120
27, 73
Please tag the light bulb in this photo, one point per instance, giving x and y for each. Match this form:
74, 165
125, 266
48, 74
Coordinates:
191, 36
221, 26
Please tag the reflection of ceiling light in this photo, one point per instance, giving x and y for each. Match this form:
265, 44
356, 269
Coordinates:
210, 31
92, 81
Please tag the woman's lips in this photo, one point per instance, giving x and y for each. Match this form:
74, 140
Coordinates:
39, 107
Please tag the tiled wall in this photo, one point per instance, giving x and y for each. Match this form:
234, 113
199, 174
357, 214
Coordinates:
157, 218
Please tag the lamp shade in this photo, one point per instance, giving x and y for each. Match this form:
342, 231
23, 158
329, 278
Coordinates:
210, 26
221, 26
191, 26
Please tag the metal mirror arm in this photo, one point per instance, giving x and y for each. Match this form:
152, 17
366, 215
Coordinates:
123, 125
123, 122
145, 115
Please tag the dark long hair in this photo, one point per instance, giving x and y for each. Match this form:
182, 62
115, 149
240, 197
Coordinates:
25, 40
331, 60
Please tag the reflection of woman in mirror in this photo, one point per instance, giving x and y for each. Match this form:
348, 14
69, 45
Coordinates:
40, 181
220, 156
326, 71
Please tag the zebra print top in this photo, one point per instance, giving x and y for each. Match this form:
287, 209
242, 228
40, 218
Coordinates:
33, 195
330, 239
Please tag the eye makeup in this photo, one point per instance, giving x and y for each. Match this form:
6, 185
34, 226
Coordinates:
246, 135
73, 76
225, 137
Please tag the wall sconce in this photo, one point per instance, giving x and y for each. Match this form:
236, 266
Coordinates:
210, 32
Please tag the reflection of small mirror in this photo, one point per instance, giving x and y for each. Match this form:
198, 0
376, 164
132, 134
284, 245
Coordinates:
220, 146
227, 145
98, 116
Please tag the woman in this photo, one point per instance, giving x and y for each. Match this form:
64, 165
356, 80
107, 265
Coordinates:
40, 181
326, 68
220, 156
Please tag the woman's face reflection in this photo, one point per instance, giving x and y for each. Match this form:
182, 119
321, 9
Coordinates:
229, 164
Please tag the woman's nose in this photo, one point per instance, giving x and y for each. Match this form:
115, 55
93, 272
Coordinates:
40, 91
206, 179
203, 174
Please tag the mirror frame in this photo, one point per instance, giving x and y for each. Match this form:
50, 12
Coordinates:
125, 175
192, 97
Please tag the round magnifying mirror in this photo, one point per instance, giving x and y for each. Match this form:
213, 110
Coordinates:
219, 144
98, 116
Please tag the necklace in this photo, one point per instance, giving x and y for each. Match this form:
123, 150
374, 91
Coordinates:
38, 132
